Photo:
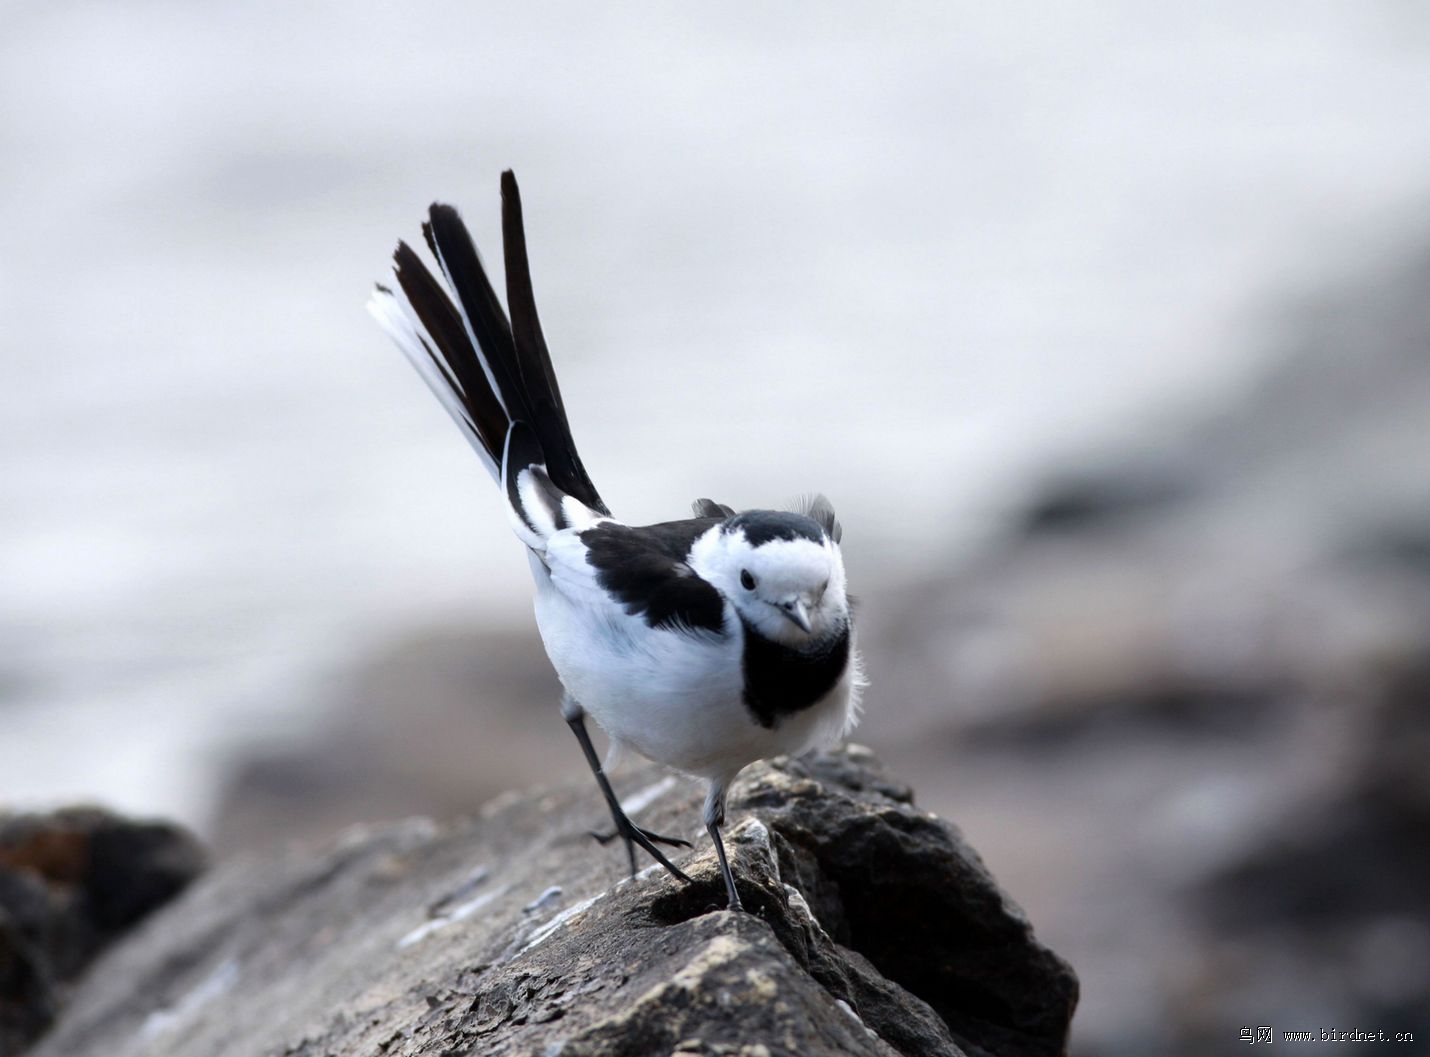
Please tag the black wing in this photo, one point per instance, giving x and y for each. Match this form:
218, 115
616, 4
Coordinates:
644, 569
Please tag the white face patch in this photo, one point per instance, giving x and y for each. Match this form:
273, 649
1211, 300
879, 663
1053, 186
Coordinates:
788, 568
778, 584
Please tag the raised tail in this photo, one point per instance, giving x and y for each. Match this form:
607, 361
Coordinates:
493, 377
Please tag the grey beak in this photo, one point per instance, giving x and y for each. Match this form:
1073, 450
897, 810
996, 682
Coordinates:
797, 614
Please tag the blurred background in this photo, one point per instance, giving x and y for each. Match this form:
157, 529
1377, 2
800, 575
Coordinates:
1105, 326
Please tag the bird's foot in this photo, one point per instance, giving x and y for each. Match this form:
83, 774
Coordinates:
673, 842
633, 835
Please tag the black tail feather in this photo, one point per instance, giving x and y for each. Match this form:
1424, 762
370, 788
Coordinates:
547, 412
443, 323
517, 361
451, 244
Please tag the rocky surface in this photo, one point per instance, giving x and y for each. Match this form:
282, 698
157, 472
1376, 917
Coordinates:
70, 883
873, 929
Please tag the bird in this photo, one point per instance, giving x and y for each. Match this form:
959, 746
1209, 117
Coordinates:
704, 644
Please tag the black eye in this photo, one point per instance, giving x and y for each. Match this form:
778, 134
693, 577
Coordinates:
746, 580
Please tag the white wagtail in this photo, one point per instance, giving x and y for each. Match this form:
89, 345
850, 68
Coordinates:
704, 644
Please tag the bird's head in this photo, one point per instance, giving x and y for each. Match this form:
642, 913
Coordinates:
782, 572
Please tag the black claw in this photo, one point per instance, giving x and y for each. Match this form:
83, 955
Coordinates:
639, 836
633, 835
673, 842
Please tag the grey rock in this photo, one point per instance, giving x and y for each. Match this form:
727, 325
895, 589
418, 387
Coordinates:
872, 929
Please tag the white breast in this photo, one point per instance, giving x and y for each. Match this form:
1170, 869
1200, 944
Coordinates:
675, 698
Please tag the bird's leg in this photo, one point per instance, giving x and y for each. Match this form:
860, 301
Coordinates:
714, 819
604, 838
627, 830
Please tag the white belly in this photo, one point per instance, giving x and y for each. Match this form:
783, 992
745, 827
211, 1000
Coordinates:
675, 698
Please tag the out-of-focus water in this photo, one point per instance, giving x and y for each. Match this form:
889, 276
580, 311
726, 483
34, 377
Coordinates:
903, 255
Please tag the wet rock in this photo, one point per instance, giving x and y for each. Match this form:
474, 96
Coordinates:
70, 883
872, 929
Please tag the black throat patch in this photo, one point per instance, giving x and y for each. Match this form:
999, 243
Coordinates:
780, 680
